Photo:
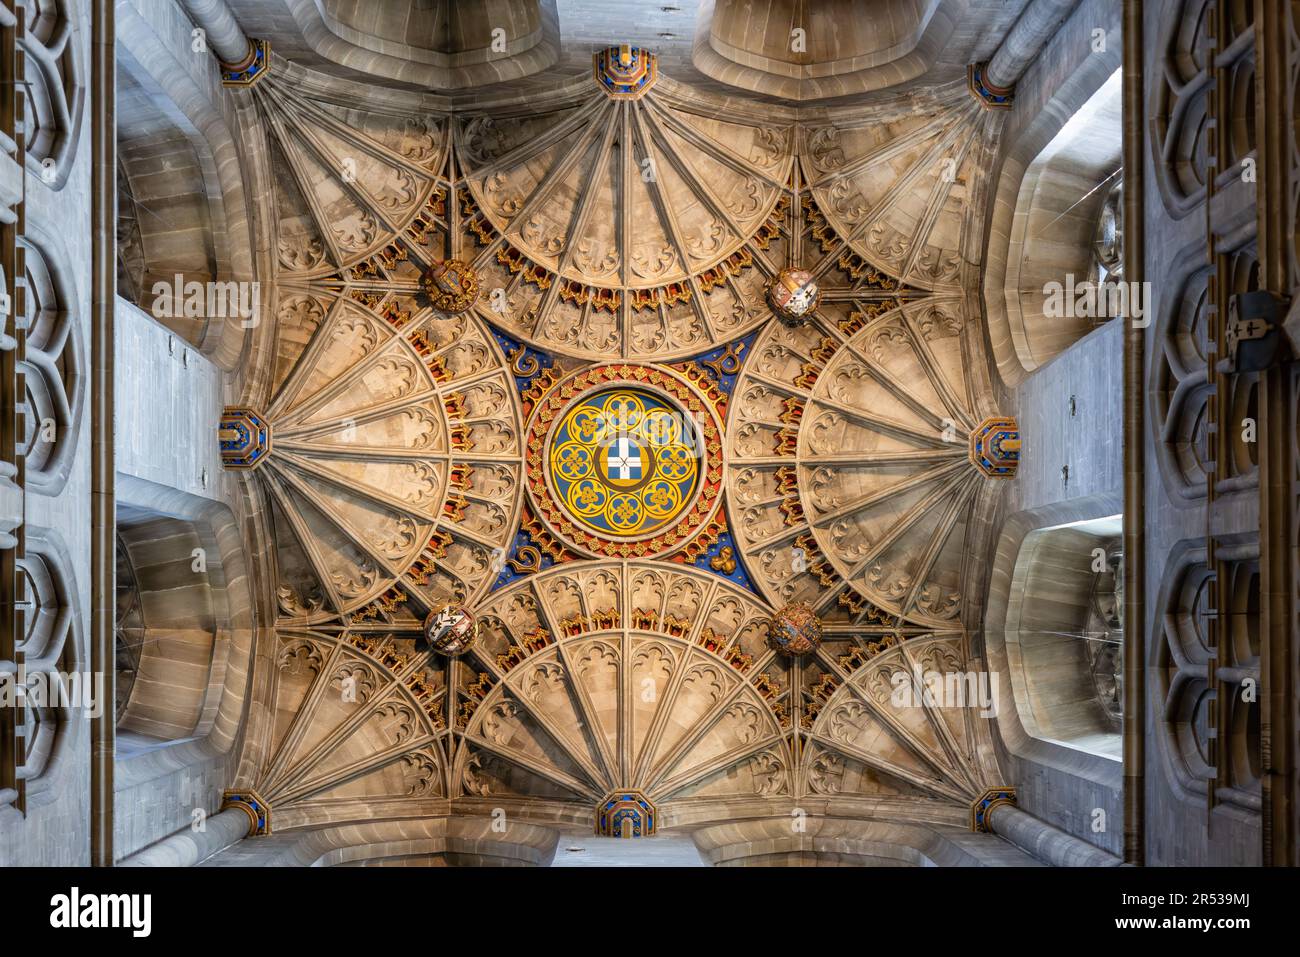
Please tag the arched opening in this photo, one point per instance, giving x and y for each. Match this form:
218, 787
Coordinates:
1055, 246
184, 630
1065, 635
171, 221
1065, 216
172, 623
808, 51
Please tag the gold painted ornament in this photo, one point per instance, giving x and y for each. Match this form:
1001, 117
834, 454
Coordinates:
795, 630
621, 464
625, 460
625, 72
451, 285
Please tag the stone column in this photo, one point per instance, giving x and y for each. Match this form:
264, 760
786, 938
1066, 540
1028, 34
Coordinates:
224, 36
1135, 437
188, 847
1037, 23
1048, 844
103, 517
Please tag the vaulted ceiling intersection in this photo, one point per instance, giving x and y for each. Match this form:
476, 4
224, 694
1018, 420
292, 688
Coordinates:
623, 249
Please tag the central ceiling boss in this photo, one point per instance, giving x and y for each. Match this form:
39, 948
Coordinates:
625, 460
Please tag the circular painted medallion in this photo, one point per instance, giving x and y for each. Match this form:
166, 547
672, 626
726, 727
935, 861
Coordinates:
793, 295
451, 630
795, 630
452, 286
625, 460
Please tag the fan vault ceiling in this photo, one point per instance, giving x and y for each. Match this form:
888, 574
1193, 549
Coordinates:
600, 241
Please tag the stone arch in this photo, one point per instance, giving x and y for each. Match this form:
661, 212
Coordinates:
1210, 733
1180, 391
174, 220
183, 161
1060, 633
848, 46
1031, 757
453, 53
185, 624
1049, 199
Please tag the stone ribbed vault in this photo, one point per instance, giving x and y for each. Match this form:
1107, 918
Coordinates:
601, 229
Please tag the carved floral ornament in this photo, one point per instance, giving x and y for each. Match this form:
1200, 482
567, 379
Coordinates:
795, 630
589, 674
646, 228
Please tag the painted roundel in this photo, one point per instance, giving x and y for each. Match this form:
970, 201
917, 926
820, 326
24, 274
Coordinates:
632, 460
622, 462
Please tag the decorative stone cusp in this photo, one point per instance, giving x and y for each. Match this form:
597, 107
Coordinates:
625, 72
795, 630
995, 447
245, 438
